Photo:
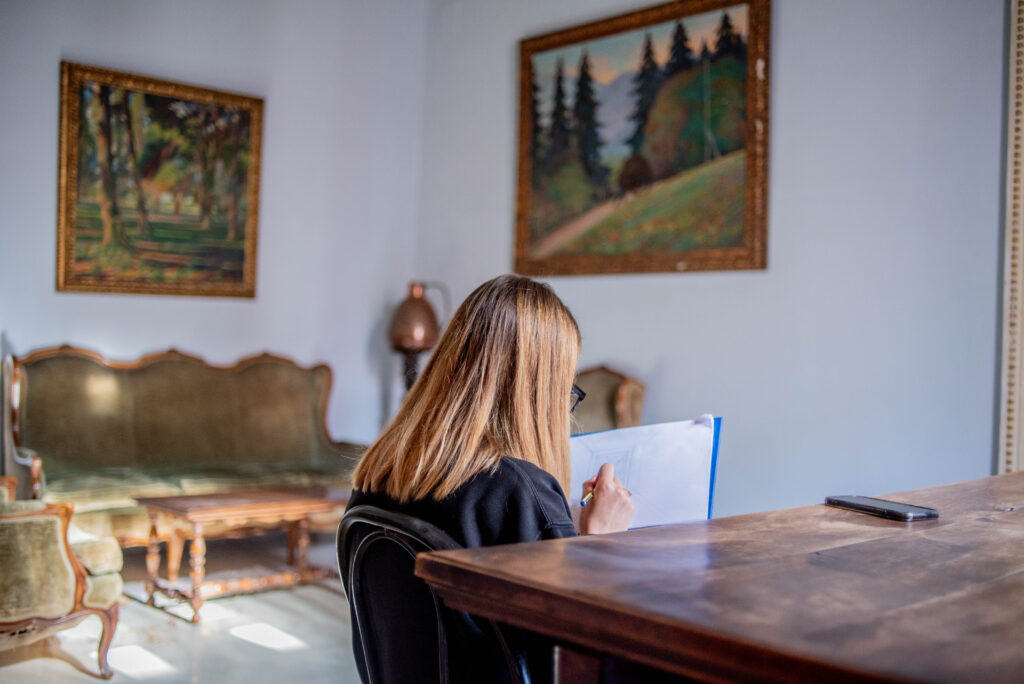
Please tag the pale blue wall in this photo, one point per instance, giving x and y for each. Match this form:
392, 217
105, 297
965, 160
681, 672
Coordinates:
343, 84
863, 360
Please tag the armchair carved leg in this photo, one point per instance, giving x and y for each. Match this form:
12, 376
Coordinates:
109, 618
152, 561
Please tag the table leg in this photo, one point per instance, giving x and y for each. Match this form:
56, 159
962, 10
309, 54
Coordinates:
293, 538
175, 546
152, 560
197, 560
576, 667
301, 528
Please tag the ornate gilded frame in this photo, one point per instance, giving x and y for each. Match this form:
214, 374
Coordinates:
73, 76
1010, 456
752, 254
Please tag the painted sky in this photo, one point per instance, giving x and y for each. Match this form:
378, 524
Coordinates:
613, 55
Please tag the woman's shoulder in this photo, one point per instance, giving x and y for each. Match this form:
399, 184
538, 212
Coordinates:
537, 489
524, 470
521, 475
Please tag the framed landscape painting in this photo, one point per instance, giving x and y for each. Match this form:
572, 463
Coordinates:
158, 189
643, 142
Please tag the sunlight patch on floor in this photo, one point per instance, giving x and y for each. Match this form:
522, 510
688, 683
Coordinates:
268, 636
138, 663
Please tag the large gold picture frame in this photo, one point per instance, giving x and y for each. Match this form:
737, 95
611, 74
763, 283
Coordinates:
158, 187
1010, 454
643, 142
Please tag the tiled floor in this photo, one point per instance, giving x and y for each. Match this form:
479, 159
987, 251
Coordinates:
299, 634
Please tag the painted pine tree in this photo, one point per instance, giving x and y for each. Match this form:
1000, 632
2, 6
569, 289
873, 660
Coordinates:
585, 125
645, 89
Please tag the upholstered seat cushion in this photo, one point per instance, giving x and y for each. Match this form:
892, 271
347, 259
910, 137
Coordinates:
99, 555
103, 591
105, 488
258, 477
8, 507
105, 504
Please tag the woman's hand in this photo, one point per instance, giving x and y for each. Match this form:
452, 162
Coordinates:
610, 509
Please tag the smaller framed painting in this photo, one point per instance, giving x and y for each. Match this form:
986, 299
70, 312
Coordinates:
158, 187
643, 142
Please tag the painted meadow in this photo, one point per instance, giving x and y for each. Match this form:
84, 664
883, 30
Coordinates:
638, 140
162, 192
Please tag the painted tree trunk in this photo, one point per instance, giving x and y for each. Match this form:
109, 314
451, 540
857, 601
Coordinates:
234, 185
107, 196
202, 163
132, 130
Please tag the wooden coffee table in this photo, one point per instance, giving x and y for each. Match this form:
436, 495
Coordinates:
235, 514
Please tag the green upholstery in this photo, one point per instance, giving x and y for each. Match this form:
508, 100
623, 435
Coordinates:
98, 555
11, 507
114, 513
79, 414
102, 591
171, 425
44, 566
37, 579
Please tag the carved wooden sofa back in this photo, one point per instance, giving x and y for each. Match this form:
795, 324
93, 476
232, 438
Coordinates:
100, 432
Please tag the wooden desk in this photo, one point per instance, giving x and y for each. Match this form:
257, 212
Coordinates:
805, 594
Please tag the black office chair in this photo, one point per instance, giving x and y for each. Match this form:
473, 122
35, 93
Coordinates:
401, 631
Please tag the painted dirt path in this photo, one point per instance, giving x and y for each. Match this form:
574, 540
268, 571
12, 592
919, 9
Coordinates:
573, 229
584, 222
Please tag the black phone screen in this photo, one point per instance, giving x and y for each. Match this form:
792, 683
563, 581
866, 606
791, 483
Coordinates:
894, 510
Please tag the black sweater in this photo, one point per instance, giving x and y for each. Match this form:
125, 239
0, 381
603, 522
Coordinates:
518, 502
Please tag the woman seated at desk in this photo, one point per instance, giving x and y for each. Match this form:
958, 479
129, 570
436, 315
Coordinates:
480, 446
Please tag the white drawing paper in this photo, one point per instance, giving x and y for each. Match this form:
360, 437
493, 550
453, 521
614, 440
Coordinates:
668, 468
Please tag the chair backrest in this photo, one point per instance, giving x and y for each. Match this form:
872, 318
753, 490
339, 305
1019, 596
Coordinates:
401, 631
614, 400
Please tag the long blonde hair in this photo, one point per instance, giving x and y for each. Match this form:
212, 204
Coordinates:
497, 385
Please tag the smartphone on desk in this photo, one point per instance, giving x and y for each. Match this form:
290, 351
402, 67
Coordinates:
893, 510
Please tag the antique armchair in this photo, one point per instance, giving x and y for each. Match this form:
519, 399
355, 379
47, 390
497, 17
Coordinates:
52, 576
8, 486
614, 400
